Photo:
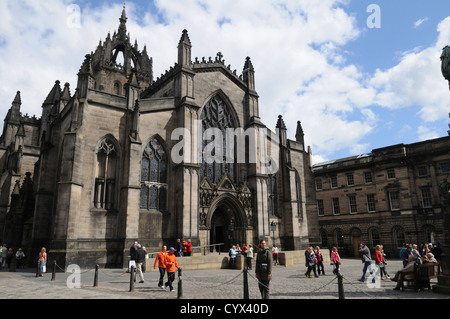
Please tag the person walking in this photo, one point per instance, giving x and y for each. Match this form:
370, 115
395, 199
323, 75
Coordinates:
336, 261
366, 258
232, 255
319, 258
3, 253
263, 269
310, 262
140, 259
249, 256
379, 260
171, 265
20, 257
180, 247
275, 254
133, 249
42, 261
384, 268
161, 264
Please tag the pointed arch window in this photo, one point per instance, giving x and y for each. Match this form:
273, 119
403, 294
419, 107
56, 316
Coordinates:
105, 181
216, 114
154, 177
272, 195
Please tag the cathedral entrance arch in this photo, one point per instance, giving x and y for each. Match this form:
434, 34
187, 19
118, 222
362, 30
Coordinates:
226, 223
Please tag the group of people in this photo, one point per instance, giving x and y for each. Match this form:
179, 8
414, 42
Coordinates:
246, 251
138, 258
184, 248
314, 262
412, 254
7, 256
166, 261
422, 253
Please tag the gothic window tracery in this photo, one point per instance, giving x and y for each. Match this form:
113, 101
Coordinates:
272, 195
154, 177
105, 181
216, 114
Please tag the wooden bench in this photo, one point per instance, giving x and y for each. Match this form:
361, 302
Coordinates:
421, 276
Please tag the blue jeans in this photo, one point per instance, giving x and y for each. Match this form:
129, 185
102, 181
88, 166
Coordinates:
368, 264
41, 265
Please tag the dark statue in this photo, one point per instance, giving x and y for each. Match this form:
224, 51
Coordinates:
445, 58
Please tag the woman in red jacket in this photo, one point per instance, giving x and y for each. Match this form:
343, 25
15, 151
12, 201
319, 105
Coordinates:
379, 260
188, 247
336, 260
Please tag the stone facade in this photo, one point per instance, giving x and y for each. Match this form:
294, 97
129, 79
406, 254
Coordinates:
389, 197
99, 170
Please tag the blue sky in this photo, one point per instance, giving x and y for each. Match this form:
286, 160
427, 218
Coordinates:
354, 88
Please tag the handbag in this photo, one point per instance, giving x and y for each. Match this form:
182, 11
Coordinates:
44, 268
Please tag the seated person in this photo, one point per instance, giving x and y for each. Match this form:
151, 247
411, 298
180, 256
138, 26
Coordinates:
431, 258
407, 272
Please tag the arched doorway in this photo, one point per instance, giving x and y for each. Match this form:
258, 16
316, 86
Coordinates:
227, 224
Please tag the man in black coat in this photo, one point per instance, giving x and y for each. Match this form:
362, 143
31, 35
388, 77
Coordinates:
140, 259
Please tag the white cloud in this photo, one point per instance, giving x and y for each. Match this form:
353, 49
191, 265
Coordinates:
416, 81
419, 22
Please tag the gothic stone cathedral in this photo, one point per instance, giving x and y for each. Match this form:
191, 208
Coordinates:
96, 172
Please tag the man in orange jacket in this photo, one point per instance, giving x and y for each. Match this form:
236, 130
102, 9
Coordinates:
160, 261
171, 265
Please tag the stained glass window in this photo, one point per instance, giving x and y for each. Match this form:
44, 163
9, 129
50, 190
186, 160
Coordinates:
154, 177
216, 114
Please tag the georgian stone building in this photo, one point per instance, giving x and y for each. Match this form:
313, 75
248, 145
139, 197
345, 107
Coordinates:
100, 168
391, 196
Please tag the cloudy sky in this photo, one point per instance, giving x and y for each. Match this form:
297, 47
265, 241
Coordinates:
358, 74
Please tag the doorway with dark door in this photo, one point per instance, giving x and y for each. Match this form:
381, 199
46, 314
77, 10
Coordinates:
222, 230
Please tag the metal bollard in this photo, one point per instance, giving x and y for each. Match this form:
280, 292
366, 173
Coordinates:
132, 278
180, 285
246, 295
37, 269
54, 270
340, 286
96, 276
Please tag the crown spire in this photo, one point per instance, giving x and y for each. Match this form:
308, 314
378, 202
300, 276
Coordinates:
122, 32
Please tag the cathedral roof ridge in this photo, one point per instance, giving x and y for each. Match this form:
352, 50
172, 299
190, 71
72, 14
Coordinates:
218, 62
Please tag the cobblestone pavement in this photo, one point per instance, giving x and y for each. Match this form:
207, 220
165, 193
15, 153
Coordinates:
287, 283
